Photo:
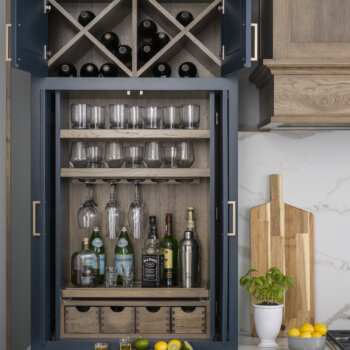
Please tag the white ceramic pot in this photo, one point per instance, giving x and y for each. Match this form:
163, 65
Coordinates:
267, 323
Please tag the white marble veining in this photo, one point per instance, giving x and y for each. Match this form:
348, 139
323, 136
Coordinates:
315, 169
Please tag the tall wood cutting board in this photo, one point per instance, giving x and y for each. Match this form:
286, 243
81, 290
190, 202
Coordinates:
283, 236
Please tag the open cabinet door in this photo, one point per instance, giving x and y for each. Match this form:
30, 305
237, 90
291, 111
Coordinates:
236, 36
29, 36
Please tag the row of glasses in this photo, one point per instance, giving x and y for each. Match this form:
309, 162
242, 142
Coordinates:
122, 116
111, 277
154, 155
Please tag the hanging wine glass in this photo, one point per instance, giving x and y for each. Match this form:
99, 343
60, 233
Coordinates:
88, 216
113, 212
137, 215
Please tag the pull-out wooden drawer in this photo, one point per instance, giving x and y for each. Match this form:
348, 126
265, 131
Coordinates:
188, 320
153, 320
117, 320
81, 319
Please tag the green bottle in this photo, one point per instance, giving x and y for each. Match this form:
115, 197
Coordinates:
96, 245
124, 254
170, 248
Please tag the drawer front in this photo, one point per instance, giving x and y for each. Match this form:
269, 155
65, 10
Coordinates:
188, 320
153, 320
116, 319
81, 319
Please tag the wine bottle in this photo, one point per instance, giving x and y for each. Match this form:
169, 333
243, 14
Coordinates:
160, 40
124, 254
184, 17
85, 17
147, 29
187, 69
67, 70
124, 54
89, 70
145, 52
108, 70
110, 40
161, 69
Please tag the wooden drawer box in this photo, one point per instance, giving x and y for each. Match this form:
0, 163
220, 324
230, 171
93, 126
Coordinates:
188, 320
81, 319
153, 320
117, 319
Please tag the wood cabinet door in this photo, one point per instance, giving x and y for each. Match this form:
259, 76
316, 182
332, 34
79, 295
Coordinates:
317, 29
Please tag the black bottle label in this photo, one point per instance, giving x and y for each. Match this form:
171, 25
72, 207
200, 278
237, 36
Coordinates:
152, 270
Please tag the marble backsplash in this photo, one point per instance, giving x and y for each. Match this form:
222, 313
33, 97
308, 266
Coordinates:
315, 169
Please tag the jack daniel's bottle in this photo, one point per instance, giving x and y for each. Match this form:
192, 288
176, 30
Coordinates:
152, 258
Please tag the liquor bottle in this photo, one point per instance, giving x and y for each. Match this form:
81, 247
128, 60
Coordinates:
190, 216
96, 245
170, 249
161, 69
108, 70
89, 70
152, 258
184, 17
88, 266
73, 266
187, 69
124, 254
111, 41
85, 17
145, 53
124, 54
67, 70
160, 40
147, 29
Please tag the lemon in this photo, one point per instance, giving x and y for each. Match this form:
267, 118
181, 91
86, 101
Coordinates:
174, 346
321, 328
186, 345
141, 344
305, 335
316, 334
306, 327
294, 332
175, 341
161, 345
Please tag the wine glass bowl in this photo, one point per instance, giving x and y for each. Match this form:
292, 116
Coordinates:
153, 156
114, 155
118, 116
170, 155
152, 117
134, 156
80, 116
88, 216
113, 213
184, 154
137, 215
171, 117
94, 156
97, 117
135, 119
190, 116
78, 155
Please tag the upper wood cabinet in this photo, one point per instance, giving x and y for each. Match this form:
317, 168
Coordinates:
304, 75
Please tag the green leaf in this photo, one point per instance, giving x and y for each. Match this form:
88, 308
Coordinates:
280, 295
258, 281
250, 289
290, 281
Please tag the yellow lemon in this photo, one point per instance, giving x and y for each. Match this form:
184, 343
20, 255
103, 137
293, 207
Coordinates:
175, 341
306, 327
305, 335
294, 332
316, 334
321, 328
161, 345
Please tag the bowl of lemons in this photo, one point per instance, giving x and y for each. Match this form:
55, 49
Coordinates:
307, 337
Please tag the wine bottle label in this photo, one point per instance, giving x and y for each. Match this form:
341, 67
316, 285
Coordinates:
168, 259
102, 263
126, 260
122, 242
97, 242
87, 262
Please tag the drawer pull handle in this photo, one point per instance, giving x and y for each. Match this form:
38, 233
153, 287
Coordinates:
233, 233
35, 234
8, 58
255, 57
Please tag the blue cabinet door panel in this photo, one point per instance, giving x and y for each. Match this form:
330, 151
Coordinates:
29, 35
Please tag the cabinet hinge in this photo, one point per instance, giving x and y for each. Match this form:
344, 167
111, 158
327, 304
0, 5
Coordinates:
47, 7
47, 53
217, 123
223, 52
222, 7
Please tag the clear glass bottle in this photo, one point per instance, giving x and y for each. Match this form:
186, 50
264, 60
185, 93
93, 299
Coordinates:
96, 245
87, 265
124, 254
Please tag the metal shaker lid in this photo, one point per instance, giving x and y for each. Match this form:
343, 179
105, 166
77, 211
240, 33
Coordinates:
188, 235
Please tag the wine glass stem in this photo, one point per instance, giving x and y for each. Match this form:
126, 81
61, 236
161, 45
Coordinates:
113, 186
89, 192
137, 192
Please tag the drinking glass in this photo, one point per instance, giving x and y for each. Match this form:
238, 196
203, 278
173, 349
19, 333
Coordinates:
101, 346
137, 215
171, 117
170, 156
118, 116
184, 154
113, 213
190, 116
114, 155
94, 156
78, 155
111, 277
152, 117
125, 343
135, 119
128, 276
97, 117
88, 217
153, 156
80, 116
134, 156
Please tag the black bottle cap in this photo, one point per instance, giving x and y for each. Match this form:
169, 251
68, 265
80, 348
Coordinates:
152, 220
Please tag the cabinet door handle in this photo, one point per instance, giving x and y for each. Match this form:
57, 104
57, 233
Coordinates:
35, 234
233, 233
255, 26
8, 26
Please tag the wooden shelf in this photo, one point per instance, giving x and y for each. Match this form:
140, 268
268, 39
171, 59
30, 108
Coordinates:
131, 173
129, 134
136, 292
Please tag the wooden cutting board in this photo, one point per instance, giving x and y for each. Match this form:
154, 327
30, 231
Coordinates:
283, 236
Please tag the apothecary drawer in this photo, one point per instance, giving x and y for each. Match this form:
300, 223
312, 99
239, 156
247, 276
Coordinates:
117, 320
153, 320
81, 319
188, 320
